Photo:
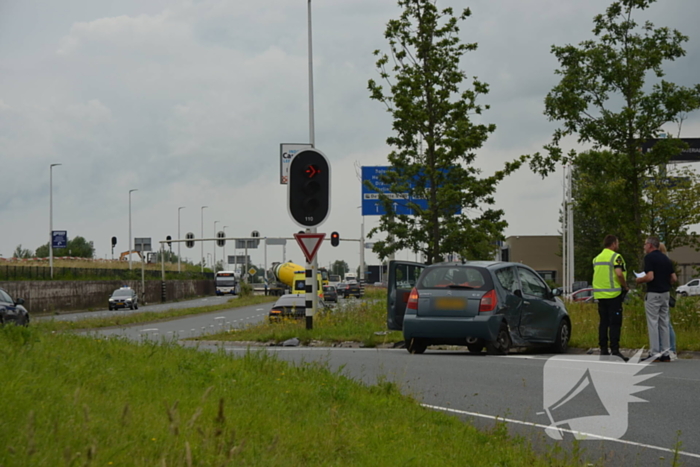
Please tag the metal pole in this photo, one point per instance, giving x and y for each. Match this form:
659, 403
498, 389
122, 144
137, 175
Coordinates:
362, 250
312, 136
130, 239
225, 257
51, 217
202, 233
215, 222
565, 222
178, 237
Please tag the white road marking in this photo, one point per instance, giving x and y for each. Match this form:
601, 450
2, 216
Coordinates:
149, 330
538, 425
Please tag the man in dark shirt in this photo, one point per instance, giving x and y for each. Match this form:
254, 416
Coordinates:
659, 276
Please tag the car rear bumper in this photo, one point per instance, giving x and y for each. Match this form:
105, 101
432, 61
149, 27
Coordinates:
451, 328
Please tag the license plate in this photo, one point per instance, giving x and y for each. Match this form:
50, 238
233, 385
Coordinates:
450, 303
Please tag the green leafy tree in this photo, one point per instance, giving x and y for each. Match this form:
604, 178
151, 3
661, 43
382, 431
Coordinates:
77, 246
22, 252
339, 268
603, 98
435, 140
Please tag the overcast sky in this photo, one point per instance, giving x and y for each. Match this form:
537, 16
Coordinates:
189, 101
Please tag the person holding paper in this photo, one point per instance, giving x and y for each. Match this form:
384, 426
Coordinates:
609, 288
659, 275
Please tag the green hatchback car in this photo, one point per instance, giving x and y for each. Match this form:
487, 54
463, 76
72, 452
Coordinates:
492, 304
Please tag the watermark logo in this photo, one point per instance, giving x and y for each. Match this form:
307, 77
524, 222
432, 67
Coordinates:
589, 394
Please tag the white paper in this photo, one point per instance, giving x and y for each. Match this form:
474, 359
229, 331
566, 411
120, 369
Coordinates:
640, 274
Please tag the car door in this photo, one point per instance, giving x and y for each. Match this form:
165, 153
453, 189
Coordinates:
539, 314
7, 305
403, 276
694, 287
507, 277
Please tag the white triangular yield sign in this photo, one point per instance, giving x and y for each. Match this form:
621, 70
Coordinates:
309, 243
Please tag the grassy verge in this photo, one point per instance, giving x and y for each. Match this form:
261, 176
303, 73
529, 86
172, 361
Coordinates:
359, 321
147, 316
76, 400
685, 319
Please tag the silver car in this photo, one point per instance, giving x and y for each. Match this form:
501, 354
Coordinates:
124, 297
492, 304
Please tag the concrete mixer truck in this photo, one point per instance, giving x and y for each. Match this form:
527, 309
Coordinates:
290, 278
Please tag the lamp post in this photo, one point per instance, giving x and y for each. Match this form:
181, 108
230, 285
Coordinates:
215, 222
178, 237
225, 257
202, 233
51, 217
130, 239
362, 248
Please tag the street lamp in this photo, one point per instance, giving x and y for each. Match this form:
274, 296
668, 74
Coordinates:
215, 222
51, 217
202, 233
178, 237
130, 239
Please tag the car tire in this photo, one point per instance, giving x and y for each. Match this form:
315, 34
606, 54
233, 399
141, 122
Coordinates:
684, 294
131, 307
416, 346
136, 306
476, 347
561, 340
501, 345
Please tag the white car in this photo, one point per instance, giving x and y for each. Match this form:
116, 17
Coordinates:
691, 288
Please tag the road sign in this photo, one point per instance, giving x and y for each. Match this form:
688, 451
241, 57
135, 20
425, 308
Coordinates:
309, 243
691, 154
238, 259
287, 151
276, 241
243, 244
252, 271
59, 239
142, 244
371, 206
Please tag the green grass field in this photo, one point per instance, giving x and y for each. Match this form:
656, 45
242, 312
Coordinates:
69, 400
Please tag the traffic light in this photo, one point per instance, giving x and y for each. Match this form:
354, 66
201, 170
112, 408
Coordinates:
309, 190
189, 236
114, 241
335, 239
170, 244
221, 235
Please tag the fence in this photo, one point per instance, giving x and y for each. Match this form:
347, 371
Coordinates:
39, 273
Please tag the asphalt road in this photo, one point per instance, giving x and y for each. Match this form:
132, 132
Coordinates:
514, 388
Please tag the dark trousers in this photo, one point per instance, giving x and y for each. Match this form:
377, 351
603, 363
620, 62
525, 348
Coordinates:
610, 311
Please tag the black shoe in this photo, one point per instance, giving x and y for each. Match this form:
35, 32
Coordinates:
665, 358
618, 354
604, 352
651, 359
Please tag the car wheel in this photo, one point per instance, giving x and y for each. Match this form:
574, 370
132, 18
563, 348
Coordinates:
131, 307
476, 346
501, 345
136, 306
684, 294
416, 346
561, 341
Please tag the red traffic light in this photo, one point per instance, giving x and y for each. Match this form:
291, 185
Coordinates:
335, 238
311, 171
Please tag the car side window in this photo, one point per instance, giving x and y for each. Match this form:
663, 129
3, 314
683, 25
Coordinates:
532, 284
4, 297
506, 277
694, 283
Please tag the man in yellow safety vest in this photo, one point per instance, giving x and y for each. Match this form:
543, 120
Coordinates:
609, 289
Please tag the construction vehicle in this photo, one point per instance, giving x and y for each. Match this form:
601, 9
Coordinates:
125, 254
290, 278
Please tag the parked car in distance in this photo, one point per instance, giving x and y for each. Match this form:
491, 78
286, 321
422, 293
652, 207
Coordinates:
288, 306
492, 304
330, 294
691, 288
124, 297
353, 289
12, 310
581, 295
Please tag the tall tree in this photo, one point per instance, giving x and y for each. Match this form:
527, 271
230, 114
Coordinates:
22, 252
603, 98
339, 267
435, 140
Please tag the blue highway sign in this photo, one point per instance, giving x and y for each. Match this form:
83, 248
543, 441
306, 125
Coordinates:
59, 239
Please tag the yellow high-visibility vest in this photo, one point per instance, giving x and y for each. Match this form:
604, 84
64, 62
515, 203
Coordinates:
605, 282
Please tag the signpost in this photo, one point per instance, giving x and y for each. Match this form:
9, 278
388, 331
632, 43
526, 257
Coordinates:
690, 154
309, 243
371, 206
287, 152
59, 239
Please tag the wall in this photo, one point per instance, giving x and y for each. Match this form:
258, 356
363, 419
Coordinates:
46, 297
540, 252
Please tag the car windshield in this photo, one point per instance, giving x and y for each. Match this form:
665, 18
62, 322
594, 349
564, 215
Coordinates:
121, 293
459, 277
